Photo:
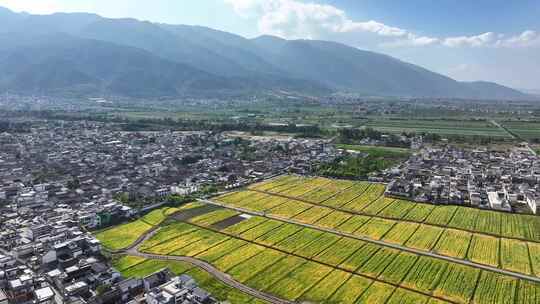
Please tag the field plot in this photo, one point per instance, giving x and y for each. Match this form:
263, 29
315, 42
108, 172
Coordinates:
378, 262
122, 236
441, 215
209, 241
419, 213
320, 292
353, 223
457, 283
513, 225
312, 215
484, 250
220, 250
325, 192
375, 228
271, 275
260, 230
378, 205
398, 209
376, 293
454, 243
278, 234
247, 269
372, 193
425, 237
515, 256
333, 219
398, 268
361, 256
167, 233
528, 292
495, 288
489, 222
402, 296
335, 257
279, 181
265, 202
301, 279
245, 225
350, 290
534, 252
442, 127
126, 262
313, 248
237, 256
401, 232
347, 195
307, 186
213, 217
465, 218
155, 217
234, 197
289, 209
425, 274
298, 240
178, 242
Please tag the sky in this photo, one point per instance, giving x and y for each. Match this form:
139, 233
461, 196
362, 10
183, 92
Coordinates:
492, 40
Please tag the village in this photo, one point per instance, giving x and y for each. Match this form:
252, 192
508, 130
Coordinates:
63, 179
499, 180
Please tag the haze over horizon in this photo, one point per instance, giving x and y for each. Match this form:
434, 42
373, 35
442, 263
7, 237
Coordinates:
495, 41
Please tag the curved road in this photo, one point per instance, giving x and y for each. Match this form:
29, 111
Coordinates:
382, 243
133, 250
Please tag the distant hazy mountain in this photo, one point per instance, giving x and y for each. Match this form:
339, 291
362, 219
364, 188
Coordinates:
85, 53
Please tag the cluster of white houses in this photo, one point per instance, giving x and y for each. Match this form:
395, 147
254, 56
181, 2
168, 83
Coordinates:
499, 180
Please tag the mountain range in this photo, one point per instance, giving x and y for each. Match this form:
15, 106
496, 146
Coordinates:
85, 54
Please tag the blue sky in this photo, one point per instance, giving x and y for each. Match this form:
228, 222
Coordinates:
468, 40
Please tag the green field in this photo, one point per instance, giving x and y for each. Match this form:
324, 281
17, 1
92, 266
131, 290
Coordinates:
526, 130
122, 236
438, 126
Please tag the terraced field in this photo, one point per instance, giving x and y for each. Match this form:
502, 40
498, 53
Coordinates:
312, 251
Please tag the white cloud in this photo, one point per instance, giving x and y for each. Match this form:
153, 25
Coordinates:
293, 19
484, 39
526, 39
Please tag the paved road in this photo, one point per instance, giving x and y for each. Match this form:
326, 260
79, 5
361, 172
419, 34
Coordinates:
133, 250
382, 243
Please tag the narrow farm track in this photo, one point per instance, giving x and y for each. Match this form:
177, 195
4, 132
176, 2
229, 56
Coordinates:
498, 125
223, 277
133, 250
382, 243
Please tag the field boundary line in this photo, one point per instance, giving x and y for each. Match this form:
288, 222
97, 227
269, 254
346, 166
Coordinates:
476, 286
395, 246
337, 193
